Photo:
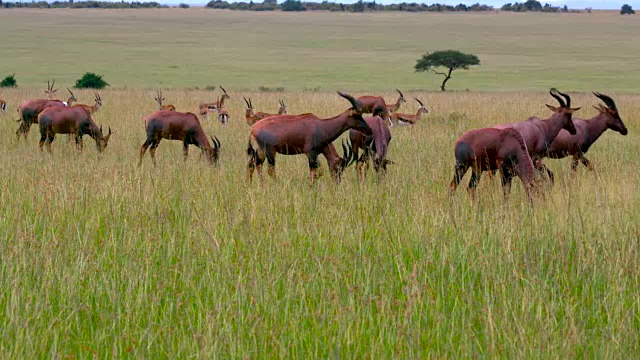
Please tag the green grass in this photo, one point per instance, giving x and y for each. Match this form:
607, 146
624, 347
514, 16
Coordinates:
100, 258
364, 52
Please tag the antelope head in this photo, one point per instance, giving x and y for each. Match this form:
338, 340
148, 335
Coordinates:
421, 109
614, 122
225, 95
400, 99
214, 152
565, 110
102, 141
98, 100
159, 99
249, 110
354, 115
283, 108
72, 99
50, 90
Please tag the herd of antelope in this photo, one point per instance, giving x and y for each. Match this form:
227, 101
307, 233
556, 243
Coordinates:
513, 149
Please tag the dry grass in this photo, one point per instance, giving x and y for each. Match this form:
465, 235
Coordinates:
101, 258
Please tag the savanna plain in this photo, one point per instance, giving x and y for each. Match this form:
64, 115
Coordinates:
102, 258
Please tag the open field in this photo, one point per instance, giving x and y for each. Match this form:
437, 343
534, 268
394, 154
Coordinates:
244, 50
100, 258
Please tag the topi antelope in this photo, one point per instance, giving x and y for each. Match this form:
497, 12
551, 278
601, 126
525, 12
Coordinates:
30, 109
587, 132
50, 90
374, 146
252, 117
159, 99
403, 119
173, 125
492, 149
70, 120
300, 134
538, 134
92, 109
223, 114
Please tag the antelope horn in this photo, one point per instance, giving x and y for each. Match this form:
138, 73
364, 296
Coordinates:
419, 102
48, 85
110, 130
551, 92
216, 142
400, 92
246, 102
70, 92
355, 103
100, 128
607, 100
53, 84
566, 97
225, 91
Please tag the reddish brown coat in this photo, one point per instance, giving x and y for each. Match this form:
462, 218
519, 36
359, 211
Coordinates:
374, 146
70, 120
173, 125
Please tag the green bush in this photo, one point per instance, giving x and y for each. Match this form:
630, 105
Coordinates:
627, 9
9, 81
91, 81
184, 6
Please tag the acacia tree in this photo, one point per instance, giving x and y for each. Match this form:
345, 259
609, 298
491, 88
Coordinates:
449, 59
627, 9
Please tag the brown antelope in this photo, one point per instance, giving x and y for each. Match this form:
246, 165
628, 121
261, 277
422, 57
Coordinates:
252, 117
402, 119
300, 134
374, 146
92, 109
173, 125
587, 132
396, 106
492, 149
374, 105
70, 120
159, 99
223, 114
30, 109
539, 134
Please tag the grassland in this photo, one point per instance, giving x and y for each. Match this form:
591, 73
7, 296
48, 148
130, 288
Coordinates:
100, 258
243, 50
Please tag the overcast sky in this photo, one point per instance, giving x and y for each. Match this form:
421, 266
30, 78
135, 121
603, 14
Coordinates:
573, 4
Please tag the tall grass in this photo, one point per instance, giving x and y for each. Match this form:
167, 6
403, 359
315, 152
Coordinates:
101, 258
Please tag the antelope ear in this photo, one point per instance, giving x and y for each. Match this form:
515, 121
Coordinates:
552, 108
572, 110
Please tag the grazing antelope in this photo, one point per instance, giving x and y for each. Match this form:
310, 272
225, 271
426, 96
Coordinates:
402, 119
587, 132
492, 149
223, 114
539, 134
252, 117
374, 146
159, 99
30, 109
70, 120
396, 106
300, 134
173, 125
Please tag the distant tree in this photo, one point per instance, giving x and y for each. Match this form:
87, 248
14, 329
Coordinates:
358, 7
292, 5
533, 5
184, 6
448, 59
626, 9
91, 81
9, 81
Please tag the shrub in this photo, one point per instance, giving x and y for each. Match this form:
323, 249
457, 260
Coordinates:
267, 89
292, 5
184, 6
627, 9
9, 81
91, 81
